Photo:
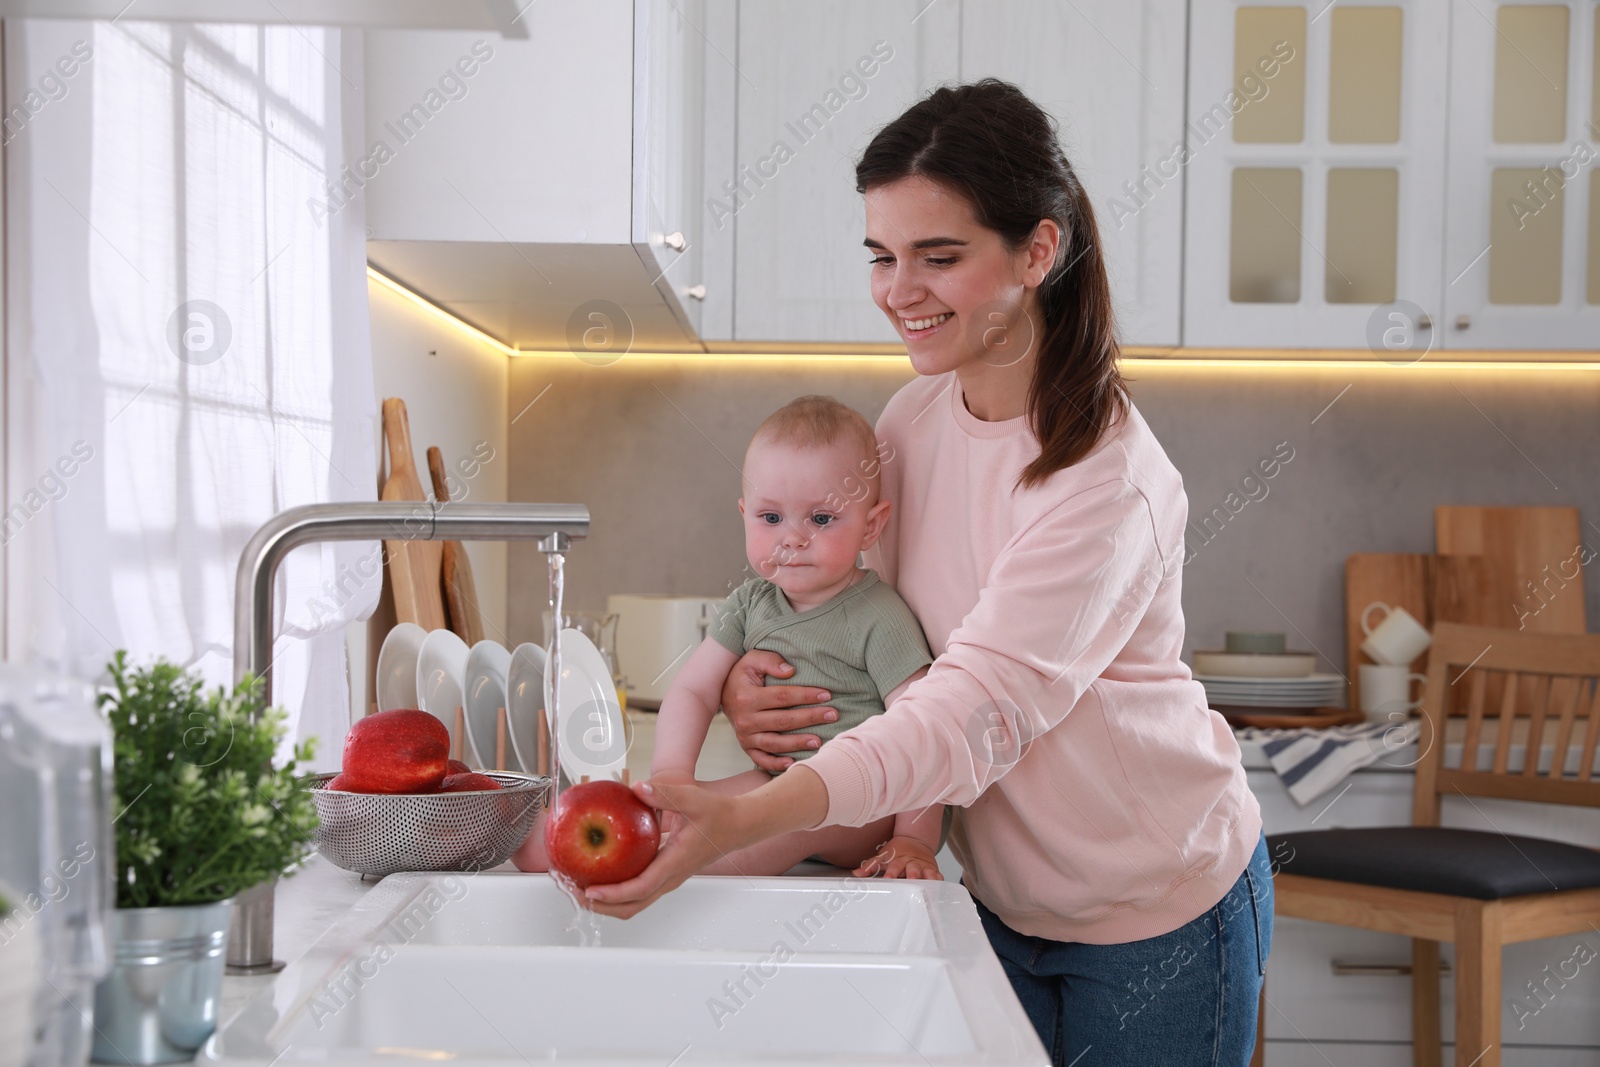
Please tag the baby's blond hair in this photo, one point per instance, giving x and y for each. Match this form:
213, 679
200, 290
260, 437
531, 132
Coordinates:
818, 421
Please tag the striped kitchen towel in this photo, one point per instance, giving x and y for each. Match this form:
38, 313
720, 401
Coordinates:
1312, 761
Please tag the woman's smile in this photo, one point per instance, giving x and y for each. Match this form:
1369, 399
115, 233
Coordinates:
916, 329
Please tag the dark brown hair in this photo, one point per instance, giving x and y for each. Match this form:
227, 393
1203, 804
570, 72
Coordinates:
988, 142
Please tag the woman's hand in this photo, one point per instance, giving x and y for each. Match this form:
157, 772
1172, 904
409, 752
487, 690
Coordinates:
759, 712
712, 825
671, 821
705, 830
901, 857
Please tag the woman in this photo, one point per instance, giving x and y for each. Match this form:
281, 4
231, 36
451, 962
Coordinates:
1105, 828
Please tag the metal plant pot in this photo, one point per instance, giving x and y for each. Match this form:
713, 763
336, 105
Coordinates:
159, 1003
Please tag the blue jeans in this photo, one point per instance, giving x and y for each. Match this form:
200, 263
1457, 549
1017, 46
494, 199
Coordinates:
1184, 998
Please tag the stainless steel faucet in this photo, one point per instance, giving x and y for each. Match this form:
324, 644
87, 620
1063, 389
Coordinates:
554, 526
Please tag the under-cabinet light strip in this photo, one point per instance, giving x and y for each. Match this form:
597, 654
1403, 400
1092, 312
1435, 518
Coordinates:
887, 357
428, 307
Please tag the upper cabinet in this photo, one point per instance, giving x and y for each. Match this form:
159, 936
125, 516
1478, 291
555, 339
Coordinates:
1393, 175
1316, 157
1111, 75
483, 140
669, 64
547, 189
1317, 153
814, 82
1522, 245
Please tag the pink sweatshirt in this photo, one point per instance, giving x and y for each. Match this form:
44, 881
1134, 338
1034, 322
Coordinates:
1101, 800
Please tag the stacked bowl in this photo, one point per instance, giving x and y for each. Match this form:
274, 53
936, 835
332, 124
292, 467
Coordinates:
1255, 674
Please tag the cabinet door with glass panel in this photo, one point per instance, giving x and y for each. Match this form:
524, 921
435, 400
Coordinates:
1522, 249
1315, 149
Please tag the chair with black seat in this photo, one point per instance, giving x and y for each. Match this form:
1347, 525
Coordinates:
1479, 889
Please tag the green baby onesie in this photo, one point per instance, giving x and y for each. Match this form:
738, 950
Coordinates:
858, 646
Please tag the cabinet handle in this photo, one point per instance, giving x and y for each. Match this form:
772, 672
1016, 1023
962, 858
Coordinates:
1425, 322
1463, 321
1371, 970
697, 292
675, 241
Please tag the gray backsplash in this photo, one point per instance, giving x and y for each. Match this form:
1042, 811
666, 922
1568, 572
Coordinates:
653, 447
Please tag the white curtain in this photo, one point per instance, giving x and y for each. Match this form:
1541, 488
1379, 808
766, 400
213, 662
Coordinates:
197, 323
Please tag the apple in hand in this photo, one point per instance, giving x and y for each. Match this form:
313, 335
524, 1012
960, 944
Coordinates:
467, 783
398, 751
600, 834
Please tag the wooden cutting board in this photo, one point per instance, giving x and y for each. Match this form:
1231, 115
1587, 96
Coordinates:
455, 569
1535, 579
413, 565
1290, 719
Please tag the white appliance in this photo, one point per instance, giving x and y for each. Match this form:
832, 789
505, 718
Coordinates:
655, 635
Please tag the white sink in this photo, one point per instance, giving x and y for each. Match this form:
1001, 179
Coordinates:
487, 969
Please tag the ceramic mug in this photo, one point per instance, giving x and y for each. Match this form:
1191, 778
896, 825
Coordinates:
1386, 689
1397, 640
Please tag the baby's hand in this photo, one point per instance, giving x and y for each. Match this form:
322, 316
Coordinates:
901, 857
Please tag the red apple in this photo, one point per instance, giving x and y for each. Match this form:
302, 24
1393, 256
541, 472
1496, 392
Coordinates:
339, 782
398, 751
601, 833
457, 767
466, 783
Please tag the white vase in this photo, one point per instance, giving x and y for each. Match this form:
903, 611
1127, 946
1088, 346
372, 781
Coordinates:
19, 986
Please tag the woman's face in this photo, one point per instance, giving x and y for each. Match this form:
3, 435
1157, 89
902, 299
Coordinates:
955, 292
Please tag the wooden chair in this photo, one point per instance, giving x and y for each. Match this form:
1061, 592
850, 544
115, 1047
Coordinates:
1478, 889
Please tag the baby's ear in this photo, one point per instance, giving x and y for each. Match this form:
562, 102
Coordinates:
877, 516
741, 505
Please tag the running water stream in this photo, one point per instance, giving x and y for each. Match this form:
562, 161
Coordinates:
585, 923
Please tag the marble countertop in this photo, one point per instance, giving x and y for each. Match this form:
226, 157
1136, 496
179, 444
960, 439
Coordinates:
306, 904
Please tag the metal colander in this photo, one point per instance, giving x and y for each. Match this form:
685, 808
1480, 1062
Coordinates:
374, 833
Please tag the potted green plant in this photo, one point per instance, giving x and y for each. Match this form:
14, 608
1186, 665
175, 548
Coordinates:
203, 814
19, 981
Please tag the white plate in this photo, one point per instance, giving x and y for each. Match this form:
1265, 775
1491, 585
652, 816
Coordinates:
1309, 681
1244, 691
1275, 702
1252, 665
441, 682
1247, 691
592, 738
488, 664
397, 666
524, 701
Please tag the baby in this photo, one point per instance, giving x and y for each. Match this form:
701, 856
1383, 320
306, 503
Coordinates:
810, 506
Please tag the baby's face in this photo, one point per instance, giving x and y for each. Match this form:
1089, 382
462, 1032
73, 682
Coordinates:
807, 514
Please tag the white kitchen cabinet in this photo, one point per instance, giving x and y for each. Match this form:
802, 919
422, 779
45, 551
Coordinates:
1315, 215
507, 156
1112, 79
1522, 249
1111, 75
814, 82
671, 56
546, 190
1315, 159
1366, 1019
